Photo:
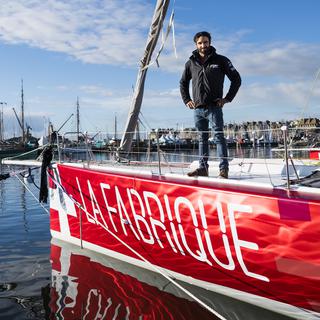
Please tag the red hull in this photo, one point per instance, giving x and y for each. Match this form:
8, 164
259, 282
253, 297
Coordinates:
315, 154
264, 244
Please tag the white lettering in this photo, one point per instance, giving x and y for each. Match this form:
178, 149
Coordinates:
230, 265
232, 208
184, 233
200, 254
122, 208
173, 228
156, 223
94, 204
83, 203
111, 210
140, 218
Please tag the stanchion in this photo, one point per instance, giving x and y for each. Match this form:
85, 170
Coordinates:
158, 151
285, 133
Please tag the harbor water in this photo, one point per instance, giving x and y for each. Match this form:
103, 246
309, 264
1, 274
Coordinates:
41, 278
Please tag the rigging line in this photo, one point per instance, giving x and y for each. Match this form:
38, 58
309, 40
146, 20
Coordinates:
146, 132
31, 178
25, 185
43, 149
14, 173
307, 101
269, 174
155, 268
22, 154
145, 120
141, 122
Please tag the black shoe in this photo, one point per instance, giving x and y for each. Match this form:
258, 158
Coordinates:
224, 173
200, 172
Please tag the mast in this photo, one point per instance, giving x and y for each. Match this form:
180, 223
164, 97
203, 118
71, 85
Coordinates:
115, 127
22, 114
1, 122
155, 28
138, 134
15, 113
1, 125
78, 119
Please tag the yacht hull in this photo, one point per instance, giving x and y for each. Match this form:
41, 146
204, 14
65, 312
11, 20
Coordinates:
257, 245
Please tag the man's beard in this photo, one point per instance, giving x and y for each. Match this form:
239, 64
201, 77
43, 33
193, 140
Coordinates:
205, 51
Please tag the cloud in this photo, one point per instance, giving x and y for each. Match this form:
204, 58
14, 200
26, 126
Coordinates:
281, 60
105, 32
96, 90
276, 76
114, 32
274, 101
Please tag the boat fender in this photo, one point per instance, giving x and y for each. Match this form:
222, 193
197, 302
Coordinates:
4, 176
47, 156
29, 177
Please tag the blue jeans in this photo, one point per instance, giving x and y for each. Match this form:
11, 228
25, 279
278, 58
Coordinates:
212, 115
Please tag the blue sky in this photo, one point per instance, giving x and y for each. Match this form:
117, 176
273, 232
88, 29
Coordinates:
91, 49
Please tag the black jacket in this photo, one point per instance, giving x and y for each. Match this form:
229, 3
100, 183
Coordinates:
208, 78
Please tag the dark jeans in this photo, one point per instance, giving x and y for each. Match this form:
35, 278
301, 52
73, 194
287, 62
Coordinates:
212, 115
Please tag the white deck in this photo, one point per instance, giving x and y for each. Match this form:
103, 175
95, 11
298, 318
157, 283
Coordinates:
245, 173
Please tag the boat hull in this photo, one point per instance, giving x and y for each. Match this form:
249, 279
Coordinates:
315, 154
258, 246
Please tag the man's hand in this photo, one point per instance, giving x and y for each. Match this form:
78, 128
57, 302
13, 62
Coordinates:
190, 104
221, 102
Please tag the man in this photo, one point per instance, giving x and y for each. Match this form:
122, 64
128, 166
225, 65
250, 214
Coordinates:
207, 70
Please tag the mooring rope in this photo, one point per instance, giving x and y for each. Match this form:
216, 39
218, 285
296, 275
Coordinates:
10, 174
22, 154
28, 189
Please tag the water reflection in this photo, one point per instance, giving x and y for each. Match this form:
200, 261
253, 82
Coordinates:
86, 285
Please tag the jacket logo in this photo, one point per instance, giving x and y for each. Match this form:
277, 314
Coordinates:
214, 66
231, 66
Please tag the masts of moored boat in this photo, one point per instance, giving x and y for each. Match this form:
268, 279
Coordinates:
1, 125
78, 119
21, 120
2, 122
22, 114
20, 124
115, 127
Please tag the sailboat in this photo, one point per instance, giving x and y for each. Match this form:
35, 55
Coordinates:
253, 237
75, 145
17, 145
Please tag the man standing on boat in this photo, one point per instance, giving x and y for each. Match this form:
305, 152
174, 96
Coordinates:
207, 70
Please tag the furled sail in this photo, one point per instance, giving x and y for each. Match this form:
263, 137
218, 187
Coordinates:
155, 28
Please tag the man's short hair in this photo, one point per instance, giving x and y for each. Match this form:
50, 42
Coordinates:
202, 34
